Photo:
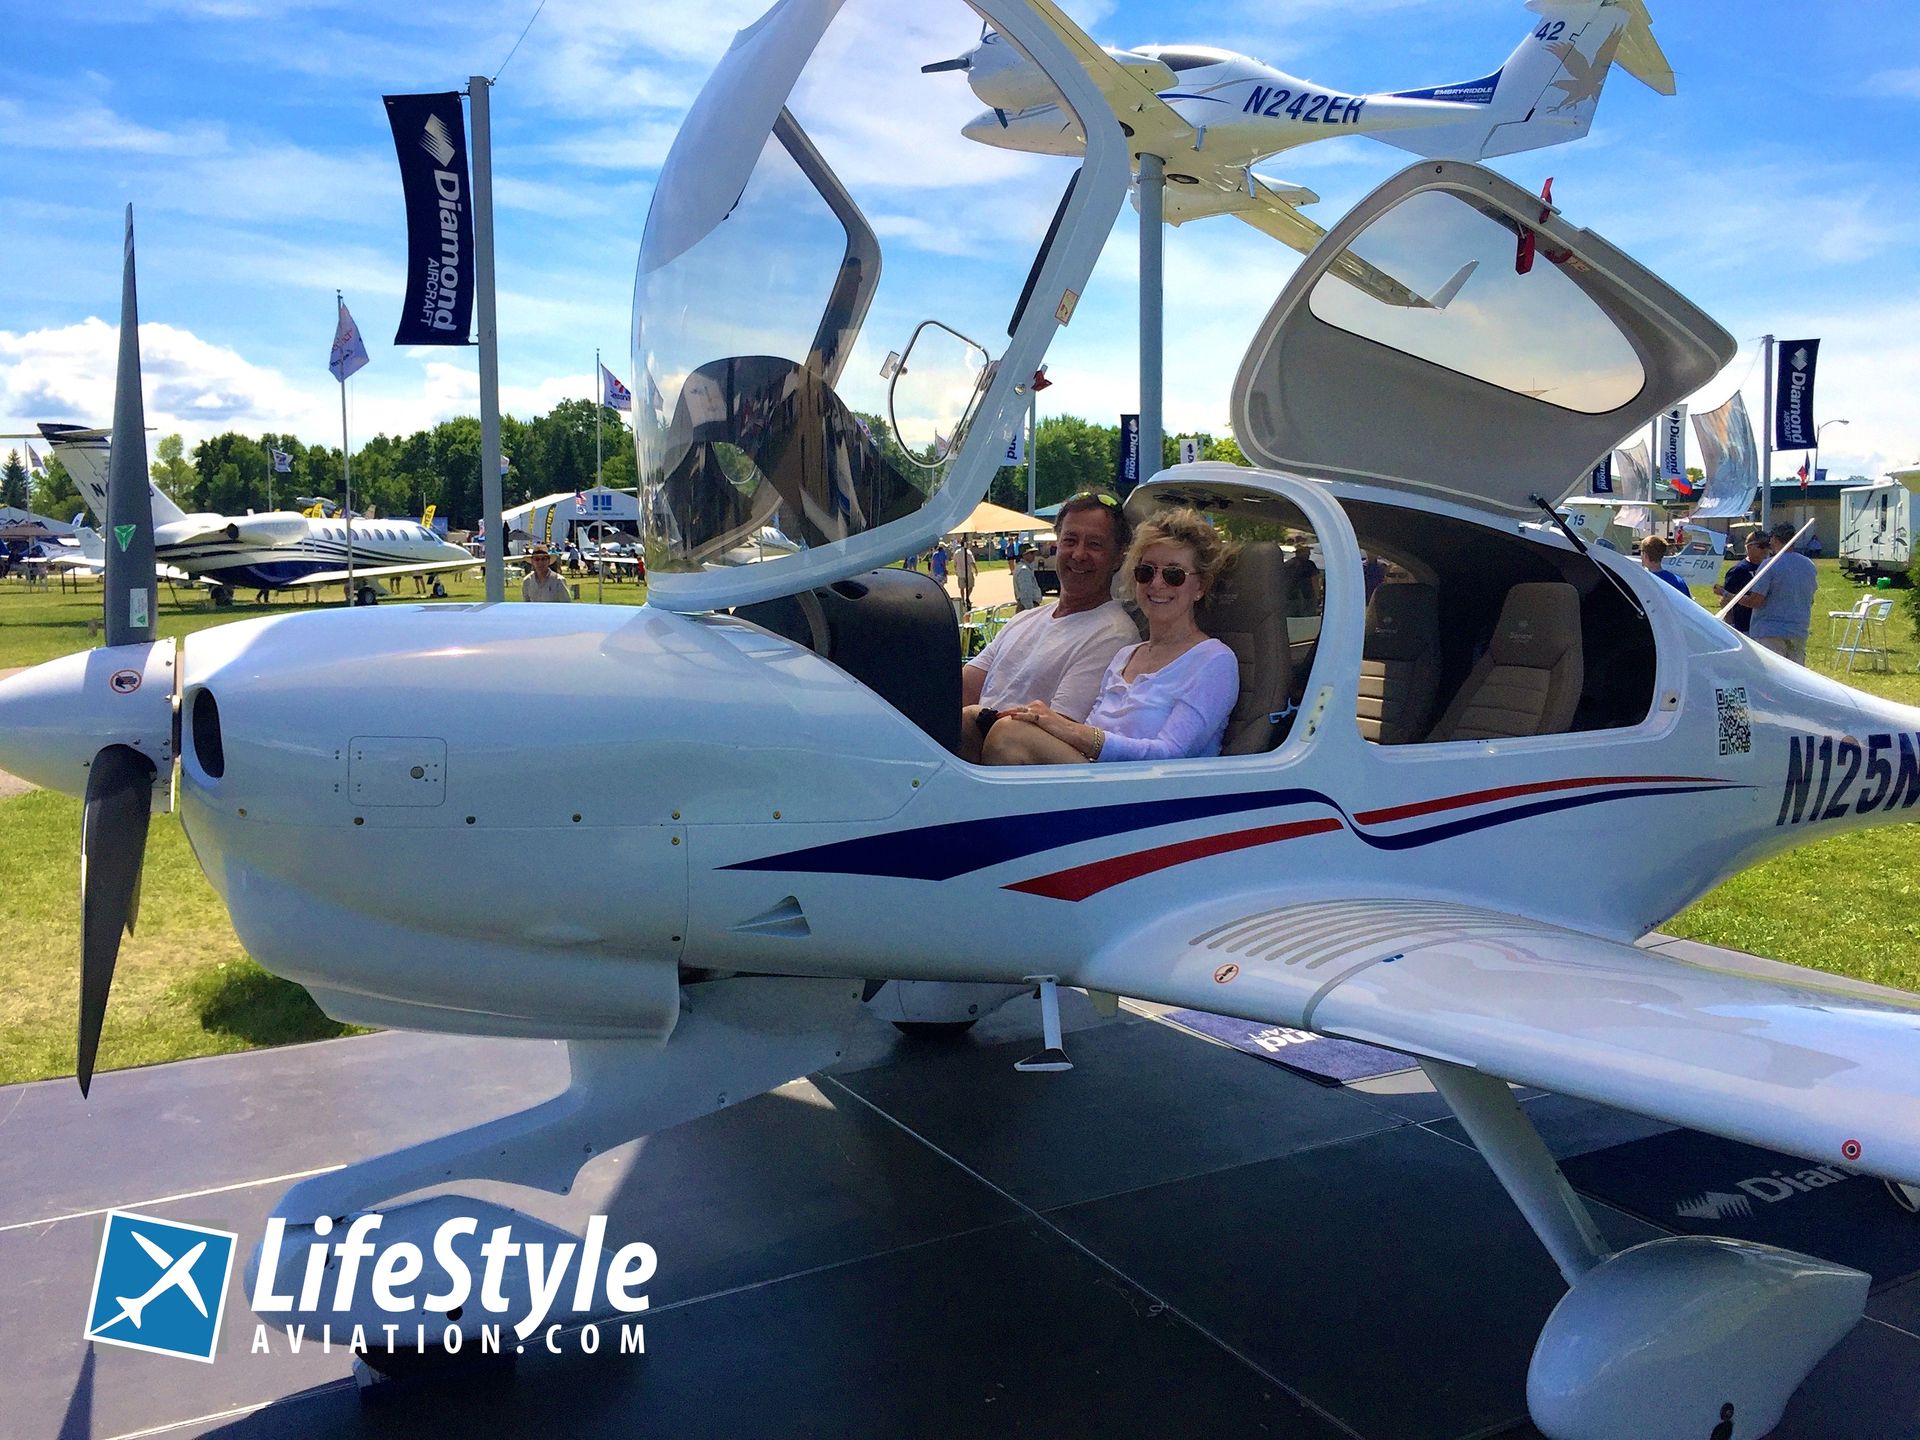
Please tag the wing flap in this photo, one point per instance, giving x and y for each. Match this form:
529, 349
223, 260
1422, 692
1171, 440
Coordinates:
1788, 1059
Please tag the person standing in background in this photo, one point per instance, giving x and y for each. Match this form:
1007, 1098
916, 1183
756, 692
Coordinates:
542, 582
965, 571
1026, 586
1782, 599
1738, 574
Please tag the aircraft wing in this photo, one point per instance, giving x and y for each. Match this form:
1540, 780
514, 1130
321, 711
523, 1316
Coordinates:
1273, 209
376, 572
1789, 1059
1154, 124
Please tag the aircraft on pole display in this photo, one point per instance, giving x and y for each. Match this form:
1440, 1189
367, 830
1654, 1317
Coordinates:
269, 550
1391, 847
1213, 114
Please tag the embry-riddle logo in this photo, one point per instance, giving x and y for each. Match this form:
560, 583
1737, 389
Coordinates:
160, 1286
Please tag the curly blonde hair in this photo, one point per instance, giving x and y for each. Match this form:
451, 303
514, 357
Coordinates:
1182, 526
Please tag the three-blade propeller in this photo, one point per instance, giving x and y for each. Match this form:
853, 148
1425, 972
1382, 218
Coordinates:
120, 780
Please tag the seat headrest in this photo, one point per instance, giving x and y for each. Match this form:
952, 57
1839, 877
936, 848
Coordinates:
1539, 624
1250, 584
1403, 622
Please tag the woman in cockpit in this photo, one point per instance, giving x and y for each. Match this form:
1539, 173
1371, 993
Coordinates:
1164, 699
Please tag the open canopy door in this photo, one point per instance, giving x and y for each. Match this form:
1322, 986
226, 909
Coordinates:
836, 317
1535, 348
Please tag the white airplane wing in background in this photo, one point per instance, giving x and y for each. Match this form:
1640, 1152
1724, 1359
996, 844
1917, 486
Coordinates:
376, 572
1272, 207
1197, 186
1776, 1062
1133, 93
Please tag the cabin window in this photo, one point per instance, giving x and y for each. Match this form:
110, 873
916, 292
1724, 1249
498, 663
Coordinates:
1533, 333
1474, 634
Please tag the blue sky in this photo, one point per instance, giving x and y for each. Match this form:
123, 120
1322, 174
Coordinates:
1777, 190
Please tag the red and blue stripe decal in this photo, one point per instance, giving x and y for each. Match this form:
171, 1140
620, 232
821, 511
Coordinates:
944, 852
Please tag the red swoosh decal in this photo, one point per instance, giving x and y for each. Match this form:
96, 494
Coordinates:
1081, 881
1508, 792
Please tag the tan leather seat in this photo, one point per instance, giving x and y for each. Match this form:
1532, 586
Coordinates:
1400, 664
1248, 610
1529, 681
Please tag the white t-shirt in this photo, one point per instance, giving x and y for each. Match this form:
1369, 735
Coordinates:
1181, 709
1058, 660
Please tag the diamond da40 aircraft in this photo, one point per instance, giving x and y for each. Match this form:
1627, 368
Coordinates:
266, 550
1212, 114
1395, 847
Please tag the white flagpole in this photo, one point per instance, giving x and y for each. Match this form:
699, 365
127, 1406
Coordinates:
478, 90
1033, 445
599, 397
346, 462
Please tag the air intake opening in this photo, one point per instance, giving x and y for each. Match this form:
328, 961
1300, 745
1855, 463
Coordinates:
207, 748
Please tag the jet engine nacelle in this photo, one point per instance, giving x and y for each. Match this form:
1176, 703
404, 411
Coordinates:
269, 531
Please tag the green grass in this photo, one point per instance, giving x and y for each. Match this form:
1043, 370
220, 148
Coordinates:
1847, 904
184, 986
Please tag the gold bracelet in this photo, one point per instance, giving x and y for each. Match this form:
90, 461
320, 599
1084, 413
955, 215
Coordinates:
1099, 744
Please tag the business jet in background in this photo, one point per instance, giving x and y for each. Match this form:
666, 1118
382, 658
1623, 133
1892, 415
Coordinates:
1213, 114
267, 550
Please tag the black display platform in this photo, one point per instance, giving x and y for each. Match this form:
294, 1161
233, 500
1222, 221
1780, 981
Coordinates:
1172, 1239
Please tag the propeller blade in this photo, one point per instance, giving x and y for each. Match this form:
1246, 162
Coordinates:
113, 843
961, 62
130, 575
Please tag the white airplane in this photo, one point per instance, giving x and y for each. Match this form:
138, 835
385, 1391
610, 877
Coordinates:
1383, 852
268, 550
174, 1275
1214, 114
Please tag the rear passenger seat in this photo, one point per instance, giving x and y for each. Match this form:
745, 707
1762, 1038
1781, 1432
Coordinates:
1400, 664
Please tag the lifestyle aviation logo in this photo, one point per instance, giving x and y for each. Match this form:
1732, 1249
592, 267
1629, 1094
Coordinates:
160, 1286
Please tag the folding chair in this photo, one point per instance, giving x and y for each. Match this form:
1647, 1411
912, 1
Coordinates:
1839, 622
1866, 633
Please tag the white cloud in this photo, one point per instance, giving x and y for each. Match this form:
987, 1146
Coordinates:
1904, 83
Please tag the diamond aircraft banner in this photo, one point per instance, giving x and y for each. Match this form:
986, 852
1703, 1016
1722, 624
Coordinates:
1793, 427
430, 138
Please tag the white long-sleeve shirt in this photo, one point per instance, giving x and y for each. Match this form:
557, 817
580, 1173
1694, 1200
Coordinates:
1179, 710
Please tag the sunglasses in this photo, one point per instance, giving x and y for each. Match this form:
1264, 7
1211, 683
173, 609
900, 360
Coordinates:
1098, 497
1174, 575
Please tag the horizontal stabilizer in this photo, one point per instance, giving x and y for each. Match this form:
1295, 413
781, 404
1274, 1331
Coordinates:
1640, 54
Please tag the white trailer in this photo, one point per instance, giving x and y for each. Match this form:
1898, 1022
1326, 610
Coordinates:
1877, 525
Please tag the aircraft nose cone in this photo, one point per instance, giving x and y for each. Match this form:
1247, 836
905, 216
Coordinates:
56, 717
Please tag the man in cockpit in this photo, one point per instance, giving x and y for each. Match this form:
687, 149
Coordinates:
1058, 652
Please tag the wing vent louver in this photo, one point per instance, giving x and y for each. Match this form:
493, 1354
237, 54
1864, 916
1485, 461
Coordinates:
785, 921
1315, 935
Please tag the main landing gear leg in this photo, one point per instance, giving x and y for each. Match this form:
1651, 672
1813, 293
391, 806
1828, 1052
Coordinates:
1667, 1340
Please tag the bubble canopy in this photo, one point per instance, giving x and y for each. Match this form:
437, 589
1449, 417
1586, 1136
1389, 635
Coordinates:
840, 298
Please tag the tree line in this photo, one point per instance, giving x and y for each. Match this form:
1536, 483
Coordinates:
231, 473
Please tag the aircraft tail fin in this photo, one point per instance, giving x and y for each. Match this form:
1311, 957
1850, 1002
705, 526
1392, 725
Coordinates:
1549, 88
85, 453
131, 1306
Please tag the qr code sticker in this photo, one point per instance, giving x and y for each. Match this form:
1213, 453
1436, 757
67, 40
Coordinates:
1736, 735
